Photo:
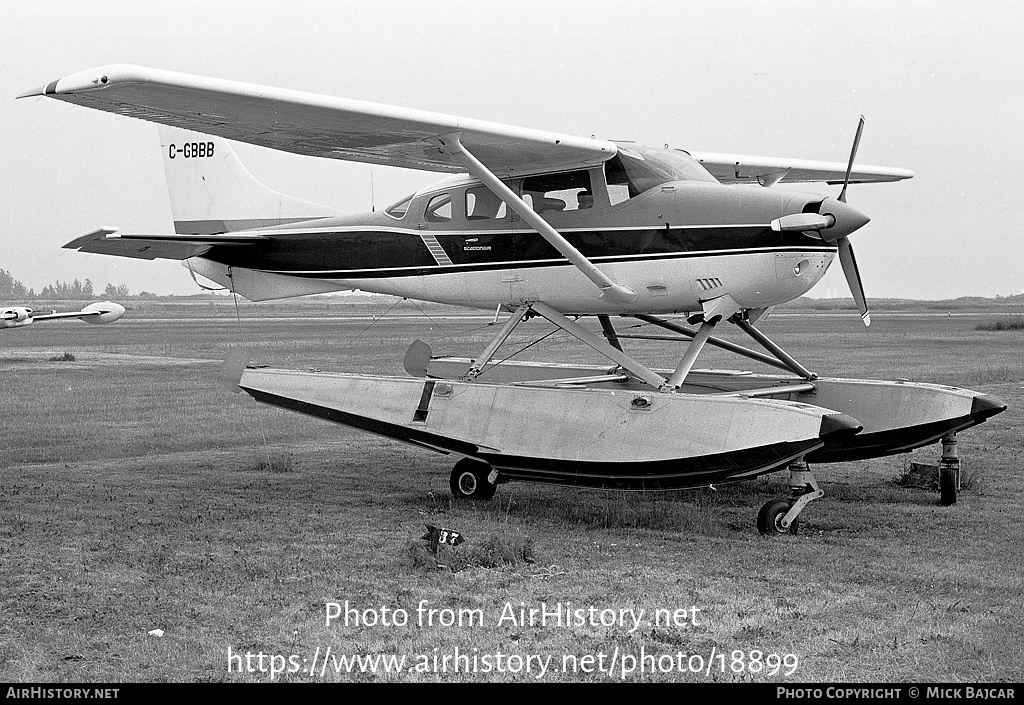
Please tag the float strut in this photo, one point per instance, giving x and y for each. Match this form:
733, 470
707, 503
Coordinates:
774, 349
690, 357
609, 332
585, 336
949, 470
717, 342
506, 330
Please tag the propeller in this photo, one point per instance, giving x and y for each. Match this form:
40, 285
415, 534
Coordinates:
849, 263
833, 222
853, 155
846, 258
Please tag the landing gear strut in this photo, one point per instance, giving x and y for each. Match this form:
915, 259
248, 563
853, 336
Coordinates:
471, 479
779, 516
949, 471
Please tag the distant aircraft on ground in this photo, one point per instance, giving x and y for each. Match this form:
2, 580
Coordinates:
538, 224
100, 312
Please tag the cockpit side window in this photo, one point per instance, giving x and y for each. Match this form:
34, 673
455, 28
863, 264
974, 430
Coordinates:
483, 204
439, 209
568, 191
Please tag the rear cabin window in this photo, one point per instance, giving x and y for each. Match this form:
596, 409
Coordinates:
559, 192
483, 204
398, 210
439, 209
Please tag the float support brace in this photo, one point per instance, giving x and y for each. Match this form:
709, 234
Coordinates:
690, 357
774, 349
585, 336
501, 337
609, 332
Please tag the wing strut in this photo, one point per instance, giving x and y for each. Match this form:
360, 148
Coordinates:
615, 292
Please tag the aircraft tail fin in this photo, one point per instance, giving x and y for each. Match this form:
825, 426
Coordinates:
212, 192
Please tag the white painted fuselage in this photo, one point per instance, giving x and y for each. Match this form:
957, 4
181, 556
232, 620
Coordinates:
677, 246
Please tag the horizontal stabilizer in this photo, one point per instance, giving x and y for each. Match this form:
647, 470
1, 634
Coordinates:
106, 241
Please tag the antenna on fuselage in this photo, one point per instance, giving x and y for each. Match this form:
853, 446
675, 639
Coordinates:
373, 204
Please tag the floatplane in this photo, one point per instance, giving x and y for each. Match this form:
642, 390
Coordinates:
537, 224
99, 312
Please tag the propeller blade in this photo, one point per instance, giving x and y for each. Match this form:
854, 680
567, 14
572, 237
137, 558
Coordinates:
849, 263
853, 155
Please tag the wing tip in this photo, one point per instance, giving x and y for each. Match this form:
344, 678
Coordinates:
90, 79
98, 234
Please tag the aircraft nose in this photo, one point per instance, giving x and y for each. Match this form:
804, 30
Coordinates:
847, 219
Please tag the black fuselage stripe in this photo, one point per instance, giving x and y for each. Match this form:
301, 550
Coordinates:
370, 253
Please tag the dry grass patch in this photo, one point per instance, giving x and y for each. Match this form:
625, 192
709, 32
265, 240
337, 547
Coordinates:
1016, 323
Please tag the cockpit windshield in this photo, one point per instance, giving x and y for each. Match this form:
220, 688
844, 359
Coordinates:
636, 169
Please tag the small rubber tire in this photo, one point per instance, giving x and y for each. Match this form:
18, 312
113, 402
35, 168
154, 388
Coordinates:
947, 486
469, 480
770, 516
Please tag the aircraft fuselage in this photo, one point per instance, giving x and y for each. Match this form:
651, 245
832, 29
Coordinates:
676, 244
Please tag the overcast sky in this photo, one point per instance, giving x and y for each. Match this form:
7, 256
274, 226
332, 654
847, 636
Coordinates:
939, 83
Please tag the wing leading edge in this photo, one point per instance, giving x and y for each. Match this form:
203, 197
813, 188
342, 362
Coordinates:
336, 128
317, 125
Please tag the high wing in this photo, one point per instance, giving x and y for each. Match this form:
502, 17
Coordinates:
768, 171
320, 126
336, 128
105, 241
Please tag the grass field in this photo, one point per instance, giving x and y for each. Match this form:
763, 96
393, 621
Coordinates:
139, 494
